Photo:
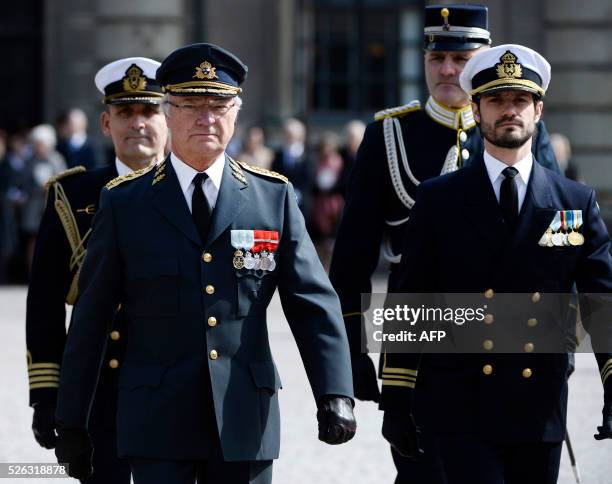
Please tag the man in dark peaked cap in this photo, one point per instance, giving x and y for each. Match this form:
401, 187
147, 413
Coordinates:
133, 119
403, 147
195, 248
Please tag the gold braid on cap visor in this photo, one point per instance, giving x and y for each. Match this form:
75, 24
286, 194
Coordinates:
202, 86
509, 82
146, 95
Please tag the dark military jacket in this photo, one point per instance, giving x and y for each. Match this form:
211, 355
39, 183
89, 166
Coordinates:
518, 397
374, 213
198, 368
60, 248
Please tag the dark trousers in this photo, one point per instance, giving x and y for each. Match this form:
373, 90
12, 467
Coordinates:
108, 468
468, 458
427, 470
151, 471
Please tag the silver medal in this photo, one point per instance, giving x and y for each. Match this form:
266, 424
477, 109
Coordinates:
272, 262
249, 262
557, 239
265, 262
256, 262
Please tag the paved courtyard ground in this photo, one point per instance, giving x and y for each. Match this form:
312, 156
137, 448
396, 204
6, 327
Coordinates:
303, 460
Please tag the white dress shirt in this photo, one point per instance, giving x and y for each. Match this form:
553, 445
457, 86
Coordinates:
122, 168
185, 174
495, 168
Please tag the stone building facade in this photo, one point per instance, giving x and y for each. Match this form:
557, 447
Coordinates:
326, 61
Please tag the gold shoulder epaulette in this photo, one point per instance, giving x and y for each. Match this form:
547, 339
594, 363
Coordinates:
398, 110
262, 171
64, 174
129, 176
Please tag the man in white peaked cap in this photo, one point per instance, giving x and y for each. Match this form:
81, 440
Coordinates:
523, 234
132, 118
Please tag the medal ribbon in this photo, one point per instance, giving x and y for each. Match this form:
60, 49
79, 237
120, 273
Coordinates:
577, 219
556, 223
265, 240
243, 239
563, 219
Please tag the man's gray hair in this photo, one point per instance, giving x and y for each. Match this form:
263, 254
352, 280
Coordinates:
45, 134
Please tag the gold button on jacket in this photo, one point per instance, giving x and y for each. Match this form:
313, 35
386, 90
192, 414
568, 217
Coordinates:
210, 289
207, 257
212, 321
213, 355
487, 369
113, 363
115, 335
527, 373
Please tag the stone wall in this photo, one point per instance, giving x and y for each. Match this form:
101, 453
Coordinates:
83, 35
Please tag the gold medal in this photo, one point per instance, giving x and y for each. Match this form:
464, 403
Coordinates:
238, 260
575, 238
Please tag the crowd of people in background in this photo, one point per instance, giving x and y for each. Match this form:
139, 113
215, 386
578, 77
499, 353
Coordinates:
28, 161
318, 166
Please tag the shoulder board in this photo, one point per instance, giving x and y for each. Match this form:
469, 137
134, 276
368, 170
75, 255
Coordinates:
398, 111
64, 174
129, 176
263, 171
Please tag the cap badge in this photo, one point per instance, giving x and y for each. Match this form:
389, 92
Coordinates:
134, 80
205, 71
508, 68
445, 13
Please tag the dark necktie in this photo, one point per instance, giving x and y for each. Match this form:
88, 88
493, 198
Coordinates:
508, 197
200, 209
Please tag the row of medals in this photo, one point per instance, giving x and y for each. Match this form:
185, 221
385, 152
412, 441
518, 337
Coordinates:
560, 239
264, 262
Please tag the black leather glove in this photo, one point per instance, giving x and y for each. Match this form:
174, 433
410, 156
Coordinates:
400, 430
43, 424
74, 448
336, 420
365, 382
605, 430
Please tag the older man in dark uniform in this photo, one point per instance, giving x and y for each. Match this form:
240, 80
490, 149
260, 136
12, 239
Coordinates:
516, 228
404, 146
194, 249
133, 120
